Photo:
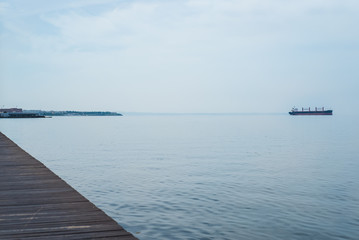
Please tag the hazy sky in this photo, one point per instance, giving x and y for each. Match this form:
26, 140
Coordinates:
179, 55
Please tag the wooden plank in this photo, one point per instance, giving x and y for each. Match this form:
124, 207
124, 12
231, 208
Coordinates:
36, 204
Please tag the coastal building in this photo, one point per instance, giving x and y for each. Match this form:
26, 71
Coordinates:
10, 110
17, 113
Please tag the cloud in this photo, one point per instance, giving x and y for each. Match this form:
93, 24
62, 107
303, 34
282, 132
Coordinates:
109, 29
183, 23
191, 22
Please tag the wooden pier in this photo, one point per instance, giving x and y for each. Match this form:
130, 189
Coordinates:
37, 204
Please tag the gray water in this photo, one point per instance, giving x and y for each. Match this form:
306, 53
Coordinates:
208, 177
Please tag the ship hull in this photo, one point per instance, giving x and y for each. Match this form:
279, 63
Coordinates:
328, 112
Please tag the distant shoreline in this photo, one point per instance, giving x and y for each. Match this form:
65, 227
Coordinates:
72, 113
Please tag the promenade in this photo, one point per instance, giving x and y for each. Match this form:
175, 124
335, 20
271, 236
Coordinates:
37, 204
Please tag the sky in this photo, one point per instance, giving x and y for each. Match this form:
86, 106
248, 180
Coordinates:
179, 56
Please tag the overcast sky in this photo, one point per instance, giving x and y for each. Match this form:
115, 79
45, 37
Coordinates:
180, 55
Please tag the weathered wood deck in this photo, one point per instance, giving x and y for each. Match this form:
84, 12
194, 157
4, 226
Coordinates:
37, 204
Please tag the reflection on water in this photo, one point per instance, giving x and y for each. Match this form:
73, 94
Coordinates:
208, 177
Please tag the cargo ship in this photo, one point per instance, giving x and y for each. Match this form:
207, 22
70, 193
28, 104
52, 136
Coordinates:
307, 111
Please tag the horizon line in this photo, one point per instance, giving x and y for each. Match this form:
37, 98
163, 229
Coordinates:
204, 113
161, 113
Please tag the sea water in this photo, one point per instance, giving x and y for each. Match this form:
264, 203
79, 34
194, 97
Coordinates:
208, 176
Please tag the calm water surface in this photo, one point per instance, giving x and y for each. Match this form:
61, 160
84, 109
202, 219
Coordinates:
208, 177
